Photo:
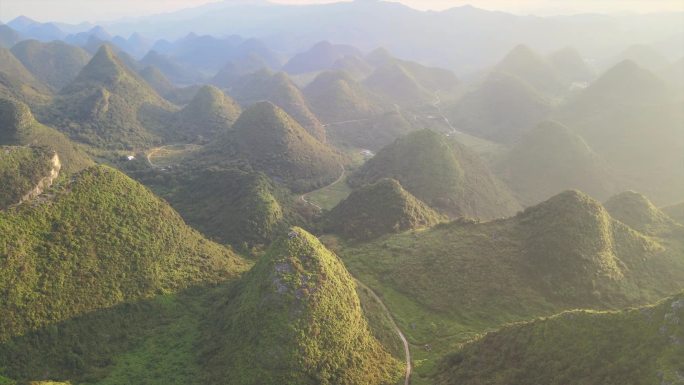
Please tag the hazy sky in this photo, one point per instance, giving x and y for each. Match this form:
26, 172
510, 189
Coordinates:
93, 10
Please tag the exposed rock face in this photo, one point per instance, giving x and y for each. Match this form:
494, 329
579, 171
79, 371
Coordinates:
46, 181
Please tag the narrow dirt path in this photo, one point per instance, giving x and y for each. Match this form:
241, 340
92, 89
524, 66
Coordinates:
304, 199
151, 153
404, 341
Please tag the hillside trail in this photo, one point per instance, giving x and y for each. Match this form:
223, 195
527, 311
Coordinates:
304, 199
151, 153
404, 341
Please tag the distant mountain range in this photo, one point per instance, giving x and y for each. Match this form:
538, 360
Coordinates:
413, 34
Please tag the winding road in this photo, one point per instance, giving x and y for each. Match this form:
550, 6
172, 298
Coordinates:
338, 180
404, 341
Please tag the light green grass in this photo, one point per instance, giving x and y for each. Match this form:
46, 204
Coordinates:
328, 197
173, 154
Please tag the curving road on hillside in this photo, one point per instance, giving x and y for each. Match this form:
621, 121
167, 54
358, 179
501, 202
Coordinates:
404, 341
304, 199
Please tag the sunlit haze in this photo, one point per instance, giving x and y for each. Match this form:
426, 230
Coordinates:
96, 10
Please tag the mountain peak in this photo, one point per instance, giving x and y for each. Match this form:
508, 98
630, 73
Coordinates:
377, 209
637, 212
458, 182
304, 315
209, 113
14, 116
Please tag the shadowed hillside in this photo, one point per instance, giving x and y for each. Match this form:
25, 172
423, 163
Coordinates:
108, 105
635, 346
103, 239
296, 319
19, 128
378, 209
630, 117
280, 90
24, 172
17, 82
502, 109
443, 174
55, 64
550, 159
274, 143
210, 113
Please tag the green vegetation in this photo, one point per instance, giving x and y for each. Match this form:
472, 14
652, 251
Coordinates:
395, 84
240, 207
102, 240
637, 212
156, 79
209, 114
378, 209
278, 89
443, 174
16, 82
55, 64
109, 106
528, 66
411, 77
372, 133
172, 155
296, 319
8, 38
550, 159
237, 68
329, 196
570, 66
151, 341
274, 143
18, 127
22, 169
502, 109
354, 66
636, 346
560, 255
630, 117
675, 212
172, 70
337, 97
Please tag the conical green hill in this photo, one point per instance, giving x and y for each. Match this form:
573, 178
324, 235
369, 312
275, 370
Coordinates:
19, 128
99, 240
443, 174
296, 319
108, 105
378, 209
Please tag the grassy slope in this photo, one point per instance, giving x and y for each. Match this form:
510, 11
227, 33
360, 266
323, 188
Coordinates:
337, 97
108, 105
533, 69
501, 109
296, 319
18, 127
280, 90
209, 114
379, 209
231, 205
17, 82
564, 254
21, 168
443, 174
550, 159
636, 346
55, 63
102, 240
276, 144
630, 118
637, 212
675, 212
